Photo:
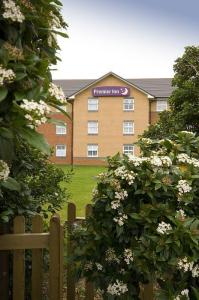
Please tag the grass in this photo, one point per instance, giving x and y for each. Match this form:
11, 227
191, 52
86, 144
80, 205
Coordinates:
80, 187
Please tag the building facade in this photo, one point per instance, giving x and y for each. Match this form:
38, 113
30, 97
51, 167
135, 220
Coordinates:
106, 117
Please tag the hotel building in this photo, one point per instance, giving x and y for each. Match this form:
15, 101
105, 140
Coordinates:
106, 116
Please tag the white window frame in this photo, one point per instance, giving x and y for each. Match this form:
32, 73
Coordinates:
128, 104
61, 129
92, 127
60, 152
92, 148
161, 105
128, 127
128, 152
93, 106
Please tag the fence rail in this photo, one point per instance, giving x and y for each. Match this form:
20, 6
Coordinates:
37, 240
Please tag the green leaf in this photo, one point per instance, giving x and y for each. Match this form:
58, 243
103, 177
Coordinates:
3, 93
20, 75
35, 139
11, 184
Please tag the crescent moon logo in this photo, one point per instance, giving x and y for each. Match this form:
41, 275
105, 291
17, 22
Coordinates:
124, 91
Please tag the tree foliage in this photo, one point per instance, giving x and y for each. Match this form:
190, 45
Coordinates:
184, 101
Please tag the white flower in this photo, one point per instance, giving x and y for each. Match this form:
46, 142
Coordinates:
115, 204
118, 288
121, 195
188, 133
195, 271
6, 75
184, 158
99, 267
183, 293
183, 187
184, 265
120, 220
128, 256
4, 170
147, 141
125, 174
57, 92
36, 112
12, 11
164, 228
180, 214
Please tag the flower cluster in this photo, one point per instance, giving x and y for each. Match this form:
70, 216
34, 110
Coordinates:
160, 161
118, 288
137, 161
186, 266
184, 158
120, 219
37, 112
121, 195
57, 93
110, 256
188, 133
183, 187
6, 75
99, 266
183, 293
164, 228
12, 11
115, 204
124, 174
180, 214
128, 256
4, 170
13, 51
146, 141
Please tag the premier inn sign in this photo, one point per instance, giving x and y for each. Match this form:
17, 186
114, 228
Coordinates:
111, 91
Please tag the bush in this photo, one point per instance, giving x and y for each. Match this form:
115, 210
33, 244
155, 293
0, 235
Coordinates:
145, 223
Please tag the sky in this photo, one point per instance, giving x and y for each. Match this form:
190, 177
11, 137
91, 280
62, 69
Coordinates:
132, 38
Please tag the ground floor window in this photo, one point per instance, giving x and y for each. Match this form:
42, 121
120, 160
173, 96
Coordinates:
61, 150
128, 149
92, 150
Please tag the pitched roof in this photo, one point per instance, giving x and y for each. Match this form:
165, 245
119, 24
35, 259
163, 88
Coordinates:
158, 87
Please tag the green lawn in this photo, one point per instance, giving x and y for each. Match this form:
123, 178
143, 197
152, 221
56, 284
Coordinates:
80, 187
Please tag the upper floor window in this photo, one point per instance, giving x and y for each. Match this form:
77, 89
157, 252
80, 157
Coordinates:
92, 150
128, 104
128, 127
92, 127
161, 105
61, 150
93, 104
128, 149
61, 129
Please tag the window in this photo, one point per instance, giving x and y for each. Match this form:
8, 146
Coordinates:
61, 129
128, 104
93, 104
61, 150
161, 105
128, 149
128, 127
92, 127
92, 150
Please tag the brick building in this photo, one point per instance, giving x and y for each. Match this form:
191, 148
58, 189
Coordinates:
106, 116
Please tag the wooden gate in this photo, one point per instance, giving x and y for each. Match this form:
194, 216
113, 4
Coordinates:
17, 242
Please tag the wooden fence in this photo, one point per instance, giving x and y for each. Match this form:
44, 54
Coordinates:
18, 241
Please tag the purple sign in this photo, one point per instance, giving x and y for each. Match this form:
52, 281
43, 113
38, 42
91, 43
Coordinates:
111, 91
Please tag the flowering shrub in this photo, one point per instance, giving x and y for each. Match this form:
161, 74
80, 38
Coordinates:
145, 223
28, 50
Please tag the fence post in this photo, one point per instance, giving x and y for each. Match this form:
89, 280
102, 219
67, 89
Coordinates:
70, 278
37, 256
147, 293
4, 267
89, 285
55, 259
19, 263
